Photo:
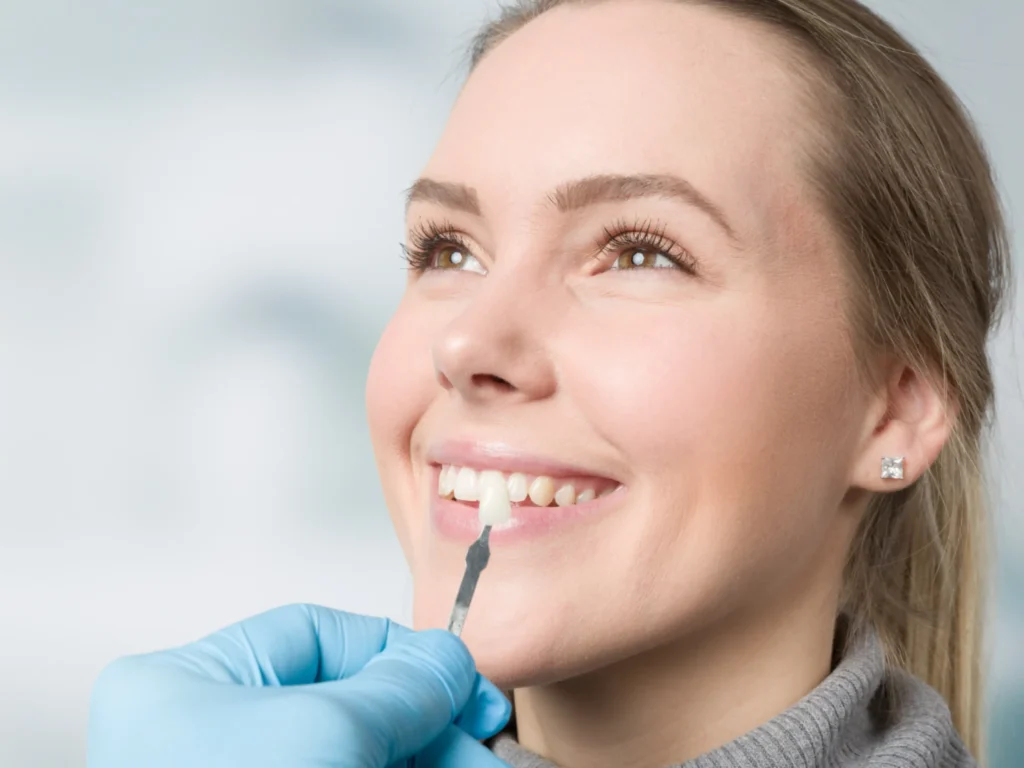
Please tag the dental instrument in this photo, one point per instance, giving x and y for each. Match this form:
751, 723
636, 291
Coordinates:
495, 509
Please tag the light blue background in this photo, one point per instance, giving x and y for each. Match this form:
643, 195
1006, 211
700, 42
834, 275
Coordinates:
200, 211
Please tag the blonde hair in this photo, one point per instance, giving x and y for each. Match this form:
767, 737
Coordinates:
907, 184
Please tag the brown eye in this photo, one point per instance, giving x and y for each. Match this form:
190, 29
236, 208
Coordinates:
634, 258
449, 257
455, 258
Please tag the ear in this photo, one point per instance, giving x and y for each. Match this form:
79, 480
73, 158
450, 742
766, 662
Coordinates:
911, 419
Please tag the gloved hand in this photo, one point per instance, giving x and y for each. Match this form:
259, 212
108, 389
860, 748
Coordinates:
299, 686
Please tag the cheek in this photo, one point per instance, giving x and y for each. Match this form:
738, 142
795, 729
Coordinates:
670, 381
710, 374
399, 388
397, 385
731, 416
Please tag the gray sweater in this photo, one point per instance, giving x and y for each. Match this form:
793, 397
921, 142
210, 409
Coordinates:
863, 714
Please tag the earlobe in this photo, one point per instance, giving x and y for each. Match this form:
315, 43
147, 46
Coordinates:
902, 443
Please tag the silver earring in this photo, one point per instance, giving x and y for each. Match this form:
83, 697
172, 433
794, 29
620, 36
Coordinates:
892, 468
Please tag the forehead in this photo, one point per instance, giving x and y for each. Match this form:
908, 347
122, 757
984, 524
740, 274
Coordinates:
644, 86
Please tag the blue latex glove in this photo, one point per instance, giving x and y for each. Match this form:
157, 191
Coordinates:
298, 687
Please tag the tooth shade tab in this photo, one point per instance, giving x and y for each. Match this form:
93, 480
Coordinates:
495, 507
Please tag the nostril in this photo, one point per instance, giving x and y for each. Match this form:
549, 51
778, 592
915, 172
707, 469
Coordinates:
444, 381
490, 381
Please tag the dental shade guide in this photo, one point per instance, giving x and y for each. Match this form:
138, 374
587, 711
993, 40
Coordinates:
495, 509
476, 560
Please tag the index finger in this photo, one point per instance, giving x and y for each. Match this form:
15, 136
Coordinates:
292, 645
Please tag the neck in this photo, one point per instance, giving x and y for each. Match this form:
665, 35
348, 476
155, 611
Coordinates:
681, 700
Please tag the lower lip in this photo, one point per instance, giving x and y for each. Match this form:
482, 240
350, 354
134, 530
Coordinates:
461, 522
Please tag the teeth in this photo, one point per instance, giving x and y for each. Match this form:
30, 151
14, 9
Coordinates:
446, 482
565, 496
542, 491
495, 508
517, 487
466, 485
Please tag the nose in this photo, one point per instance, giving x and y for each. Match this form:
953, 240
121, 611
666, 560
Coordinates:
497, 348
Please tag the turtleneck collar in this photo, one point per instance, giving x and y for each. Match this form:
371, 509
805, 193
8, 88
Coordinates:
862, 714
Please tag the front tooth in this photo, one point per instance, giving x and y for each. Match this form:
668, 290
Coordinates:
446, 482
585, 496
517, 487
466, 485
495, 508
566, 496
542, 491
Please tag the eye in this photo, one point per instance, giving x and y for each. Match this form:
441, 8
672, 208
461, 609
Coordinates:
643, 246
634, 258
440, 248
455, 257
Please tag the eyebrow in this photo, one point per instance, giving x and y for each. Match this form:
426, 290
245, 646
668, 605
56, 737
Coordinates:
448, 194
582, 193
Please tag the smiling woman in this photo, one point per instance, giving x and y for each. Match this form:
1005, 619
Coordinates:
697, 310
741, 283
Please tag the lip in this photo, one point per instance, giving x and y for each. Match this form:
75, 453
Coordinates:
460, 522
504, 458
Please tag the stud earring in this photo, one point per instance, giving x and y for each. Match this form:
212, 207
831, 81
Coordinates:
892, 468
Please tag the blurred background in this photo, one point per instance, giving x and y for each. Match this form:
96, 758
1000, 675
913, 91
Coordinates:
200, 212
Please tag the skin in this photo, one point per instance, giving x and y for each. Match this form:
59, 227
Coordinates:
728, 402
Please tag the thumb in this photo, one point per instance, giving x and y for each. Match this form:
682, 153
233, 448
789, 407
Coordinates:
406, 696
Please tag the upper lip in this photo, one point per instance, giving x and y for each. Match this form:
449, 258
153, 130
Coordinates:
503, 458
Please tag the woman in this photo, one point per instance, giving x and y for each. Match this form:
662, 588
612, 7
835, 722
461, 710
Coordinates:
710, 283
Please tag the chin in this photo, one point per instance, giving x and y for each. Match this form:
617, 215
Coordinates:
510, 653
525, 659
515, 647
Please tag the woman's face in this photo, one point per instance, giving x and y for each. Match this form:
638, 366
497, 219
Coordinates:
623, 284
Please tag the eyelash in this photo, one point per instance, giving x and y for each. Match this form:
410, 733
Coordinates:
426, 239
648, 236
641, 235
